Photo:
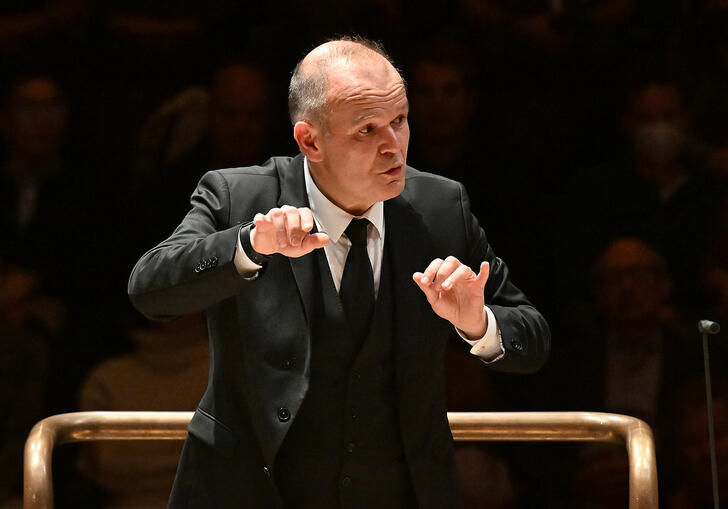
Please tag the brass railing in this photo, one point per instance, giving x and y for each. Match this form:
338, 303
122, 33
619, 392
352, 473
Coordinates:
488, 426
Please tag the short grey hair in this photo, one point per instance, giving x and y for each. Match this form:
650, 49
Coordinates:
308, 87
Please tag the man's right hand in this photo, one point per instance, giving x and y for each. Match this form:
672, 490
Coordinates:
286, 230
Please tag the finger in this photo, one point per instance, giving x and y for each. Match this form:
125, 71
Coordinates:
431, 271
430, 293
463, 272
279, 227
314, 241
446, 268
482, 277
262, 222
306, 219
293, 226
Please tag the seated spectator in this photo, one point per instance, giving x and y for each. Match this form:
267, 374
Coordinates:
166, 371
227, 124
28, 321
444, 106
626, 351
651, 192
629, 337
43, 200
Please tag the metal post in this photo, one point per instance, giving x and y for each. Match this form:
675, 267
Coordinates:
708, 327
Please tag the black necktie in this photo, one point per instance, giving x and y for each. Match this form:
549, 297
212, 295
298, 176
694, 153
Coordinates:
357, 283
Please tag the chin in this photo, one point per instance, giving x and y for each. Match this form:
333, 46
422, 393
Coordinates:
394, 190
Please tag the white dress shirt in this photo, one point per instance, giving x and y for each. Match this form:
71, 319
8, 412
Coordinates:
332, 220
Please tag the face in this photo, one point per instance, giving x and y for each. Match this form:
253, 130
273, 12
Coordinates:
360, 156
240, 120
442, 101
632, 286
37, 117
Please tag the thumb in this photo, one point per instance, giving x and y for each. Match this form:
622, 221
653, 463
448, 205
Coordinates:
315, 241
482, 277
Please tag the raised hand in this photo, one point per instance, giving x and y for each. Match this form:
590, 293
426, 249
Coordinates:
286, 230
455, 293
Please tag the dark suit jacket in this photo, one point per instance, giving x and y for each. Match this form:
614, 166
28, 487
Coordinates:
259, 333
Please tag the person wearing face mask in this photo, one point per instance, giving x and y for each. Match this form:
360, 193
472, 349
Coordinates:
651, 189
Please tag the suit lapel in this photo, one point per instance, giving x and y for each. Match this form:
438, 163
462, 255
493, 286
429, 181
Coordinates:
405, 239
293, 193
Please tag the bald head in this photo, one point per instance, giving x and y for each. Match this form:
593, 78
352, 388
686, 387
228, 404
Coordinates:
341, 59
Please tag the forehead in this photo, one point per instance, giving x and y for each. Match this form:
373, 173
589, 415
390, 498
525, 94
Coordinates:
363, 90
36, 88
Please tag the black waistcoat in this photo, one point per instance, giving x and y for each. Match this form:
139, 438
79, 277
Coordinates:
344, 449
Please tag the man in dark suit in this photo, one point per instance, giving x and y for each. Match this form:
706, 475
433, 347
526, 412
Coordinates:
326, 385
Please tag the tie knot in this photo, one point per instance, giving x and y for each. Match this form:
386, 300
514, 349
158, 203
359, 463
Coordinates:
357, 231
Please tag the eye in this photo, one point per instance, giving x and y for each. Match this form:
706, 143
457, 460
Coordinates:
366, 129
400, 119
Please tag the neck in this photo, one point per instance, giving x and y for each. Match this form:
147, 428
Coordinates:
345, 203
667, 178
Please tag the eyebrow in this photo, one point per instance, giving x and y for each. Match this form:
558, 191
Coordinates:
372, 114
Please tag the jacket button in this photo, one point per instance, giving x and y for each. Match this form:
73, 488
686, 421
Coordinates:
214, 260
353, 413
289, 363
284, 414
356, 375
266, 471
517, 345
198, 268
350, 447
346, 481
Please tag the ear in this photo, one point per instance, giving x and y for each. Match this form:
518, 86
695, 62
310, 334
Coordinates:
307, 138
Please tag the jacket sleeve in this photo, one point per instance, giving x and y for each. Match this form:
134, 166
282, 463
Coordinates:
525, 334
194, 268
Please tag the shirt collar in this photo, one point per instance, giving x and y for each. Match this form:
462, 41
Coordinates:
330, 218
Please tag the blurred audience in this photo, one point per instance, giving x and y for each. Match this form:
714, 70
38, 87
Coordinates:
629, 336
166, 371
226, 124
444, 101
628, 352
28, 323
650, 191
42, 186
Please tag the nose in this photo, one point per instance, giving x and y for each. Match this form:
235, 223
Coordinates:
389, 143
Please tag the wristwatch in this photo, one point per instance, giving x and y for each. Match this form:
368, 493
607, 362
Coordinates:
251, 253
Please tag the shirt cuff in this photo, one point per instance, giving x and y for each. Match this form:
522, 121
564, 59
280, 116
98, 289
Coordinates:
244, 265
490, 347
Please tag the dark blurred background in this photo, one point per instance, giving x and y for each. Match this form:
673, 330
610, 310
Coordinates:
592, 136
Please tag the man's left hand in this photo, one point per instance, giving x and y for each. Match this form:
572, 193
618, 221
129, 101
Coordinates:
455, 293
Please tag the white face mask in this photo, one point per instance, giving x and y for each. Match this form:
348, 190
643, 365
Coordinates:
659, 143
